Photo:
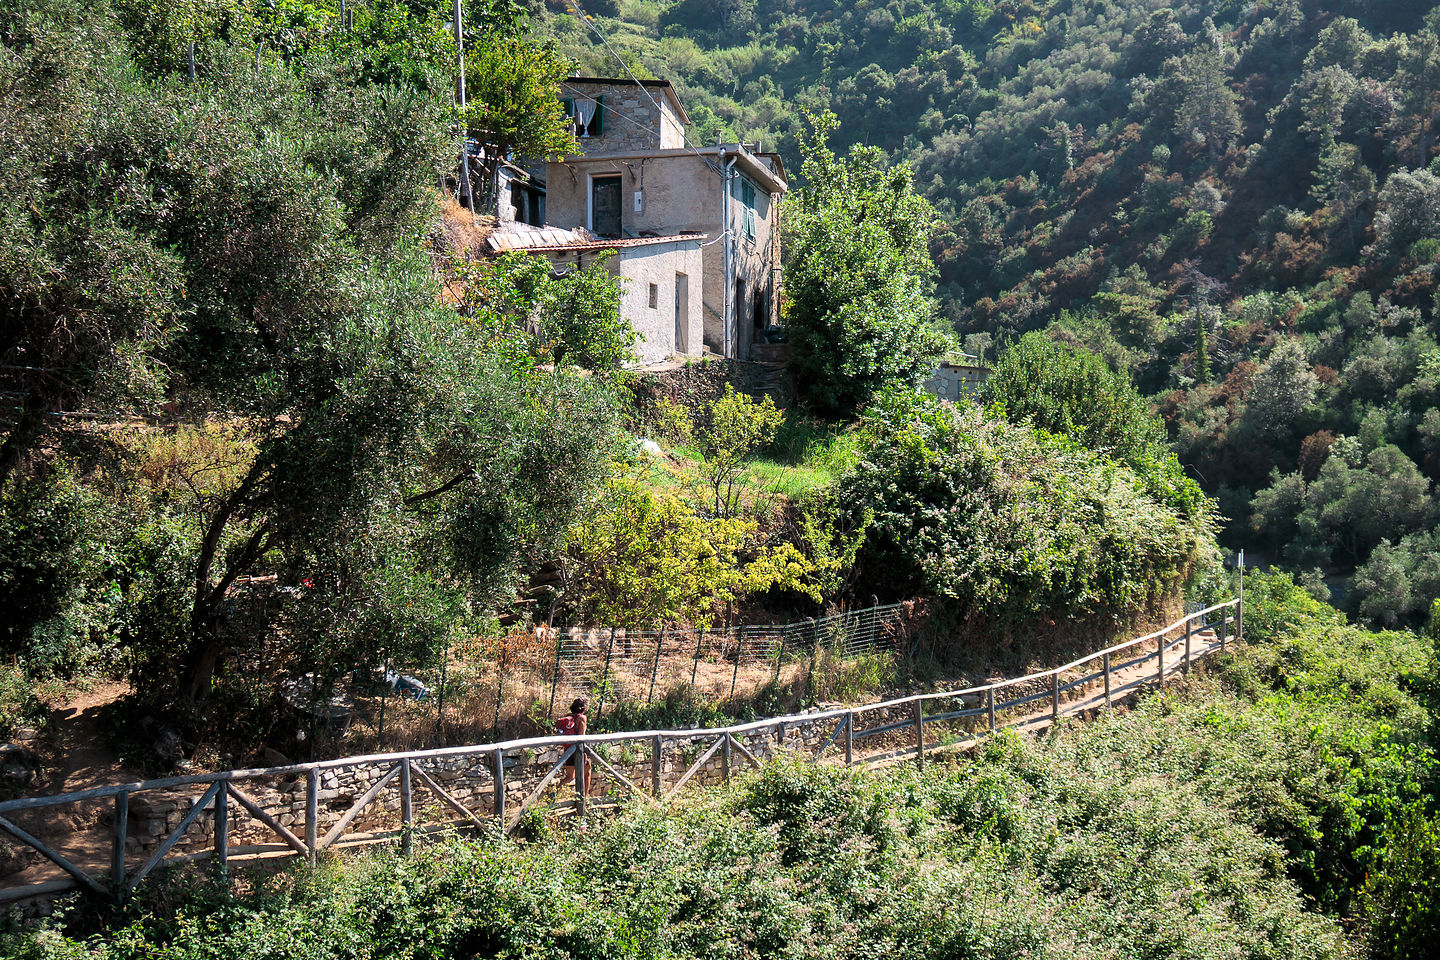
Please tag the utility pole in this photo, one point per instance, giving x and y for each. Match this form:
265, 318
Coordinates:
467, 195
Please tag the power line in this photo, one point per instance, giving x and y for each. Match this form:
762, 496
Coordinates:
590, 22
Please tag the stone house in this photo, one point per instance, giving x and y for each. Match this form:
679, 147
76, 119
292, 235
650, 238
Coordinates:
660, 280
637, 179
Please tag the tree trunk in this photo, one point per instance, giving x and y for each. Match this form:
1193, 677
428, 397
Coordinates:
22, 436
203, 652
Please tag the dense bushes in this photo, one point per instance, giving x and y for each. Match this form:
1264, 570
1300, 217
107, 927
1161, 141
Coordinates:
281, 448
1236, 816
1009, 523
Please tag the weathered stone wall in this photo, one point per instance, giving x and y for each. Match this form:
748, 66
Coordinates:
630, 122
705, 380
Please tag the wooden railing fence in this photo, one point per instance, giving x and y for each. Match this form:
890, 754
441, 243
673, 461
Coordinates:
493, 786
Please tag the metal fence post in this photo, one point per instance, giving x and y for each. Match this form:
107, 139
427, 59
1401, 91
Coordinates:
920, 732
581, 766
222, 832
555, 677
497, 775
1188, 631
655, 670
384, 696
850, 739
739, 649
699, 642
1240, 602
440, 699
500, 687
605, 677
814, 651
117, 854
1107, 678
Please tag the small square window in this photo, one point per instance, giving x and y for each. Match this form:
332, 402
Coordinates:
654, 296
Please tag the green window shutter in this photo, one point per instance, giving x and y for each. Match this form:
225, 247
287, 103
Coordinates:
747, 195
597, 127
748, 221
569, 106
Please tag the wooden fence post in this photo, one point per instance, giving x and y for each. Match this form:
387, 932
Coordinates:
1055, 697
117, 855
407, 811
580, 768
990, 707
850, 739
222, 832
312, 814
725, 758
1224, 615
657, 746
497, 774
780, 657
1160, 660
920, 732
1107, 679
1188, 632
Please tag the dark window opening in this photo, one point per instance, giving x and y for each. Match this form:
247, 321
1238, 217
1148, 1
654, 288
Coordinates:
605, 206
587, 115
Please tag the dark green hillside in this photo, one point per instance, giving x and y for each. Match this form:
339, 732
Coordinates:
1232, 202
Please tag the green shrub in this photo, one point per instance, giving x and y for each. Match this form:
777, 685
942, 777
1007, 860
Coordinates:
1008, 523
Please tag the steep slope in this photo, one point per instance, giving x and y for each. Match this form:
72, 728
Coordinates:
1230, 201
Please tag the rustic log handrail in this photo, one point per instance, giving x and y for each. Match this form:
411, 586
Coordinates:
985, 701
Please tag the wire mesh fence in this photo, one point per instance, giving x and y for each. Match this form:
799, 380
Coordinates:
489, 684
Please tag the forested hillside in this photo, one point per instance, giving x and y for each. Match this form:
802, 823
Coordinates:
1232, 202
269, 422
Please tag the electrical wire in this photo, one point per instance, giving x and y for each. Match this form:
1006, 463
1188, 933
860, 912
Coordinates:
589, 21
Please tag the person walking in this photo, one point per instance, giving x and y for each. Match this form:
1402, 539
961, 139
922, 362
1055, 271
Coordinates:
574, 724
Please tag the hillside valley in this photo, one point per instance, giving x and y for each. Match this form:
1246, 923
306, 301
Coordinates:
960, 340
1233, 203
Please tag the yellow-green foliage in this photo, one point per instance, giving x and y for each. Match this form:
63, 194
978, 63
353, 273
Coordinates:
647, 557
729, 430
